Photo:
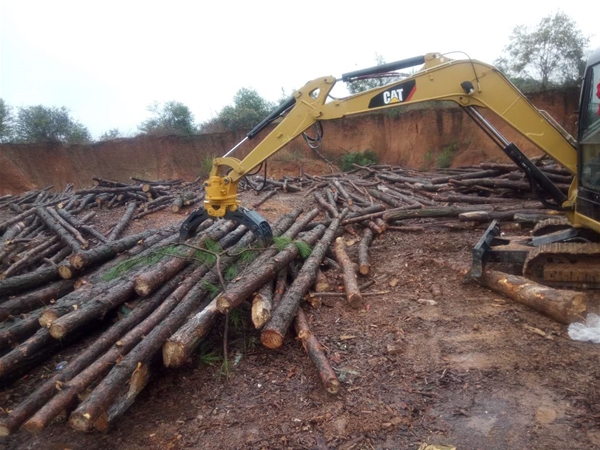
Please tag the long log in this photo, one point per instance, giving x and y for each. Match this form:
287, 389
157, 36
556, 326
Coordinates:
148, 281
331, 210
102, 253
31, 280
363, 252
57, 228
102, 365
67, 226
316, 354
33, 255
35, 299
353, 294
467, 176
12, 232
80, 224
392, 215
385, 198
561, 305
275, 330
263, 199
9, 424
262, 270
120, 226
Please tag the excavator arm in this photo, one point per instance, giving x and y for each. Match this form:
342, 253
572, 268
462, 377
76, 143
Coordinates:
468, 83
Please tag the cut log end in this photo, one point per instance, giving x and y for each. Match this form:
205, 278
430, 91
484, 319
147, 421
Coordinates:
364, 269
4, 430
33, 426
260, 314
80, 421
355, 300
173, 354
271, 339
224, 305
65, 272
142, 288
47, 318
57, 331
76, 261
332, 386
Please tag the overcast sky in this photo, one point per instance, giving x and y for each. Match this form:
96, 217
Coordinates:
107, 61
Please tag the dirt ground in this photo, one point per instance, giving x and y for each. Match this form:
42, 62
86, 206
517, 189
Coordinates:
464, 368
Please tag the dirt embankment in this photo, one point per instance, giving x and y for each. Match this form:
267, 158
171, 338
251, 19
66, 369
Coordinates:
412, 138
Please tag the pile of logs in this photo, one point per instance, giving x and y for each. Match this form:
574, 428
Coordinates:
64, 282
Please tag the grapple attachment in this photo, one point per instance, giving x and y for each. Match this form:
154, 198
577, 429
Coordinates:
251, 219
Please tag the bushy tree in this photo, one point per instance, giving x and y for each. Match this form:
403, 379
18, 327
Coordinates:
169, 118
248, 109
113, 133
6, 122
552, 52
370, 83
48, 124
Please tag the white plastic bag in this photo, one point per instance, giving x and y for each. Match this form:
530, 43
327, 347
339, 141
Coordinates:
588, 331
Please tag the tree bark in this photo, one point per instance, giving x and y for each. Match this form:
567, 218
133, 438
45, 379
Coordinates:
67, 226
275, 330
36, 299
353, 294
57, 228
261, 305
316, 354
363, 252
263, 199
331, 210
119, 227
561, 305
392, 215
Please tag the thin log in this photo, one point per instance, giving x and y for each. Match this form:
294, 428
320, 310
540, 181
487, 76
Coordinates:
385, 198
150, 211
331, 210
343, 192
36, 299
261, 305
466, 176
119, 227
80, 224
12, 232
67, 226
316, 354
394, 214
55, 226
561, 305
150, 279
353, 294
263, 199
363, 252
275, 330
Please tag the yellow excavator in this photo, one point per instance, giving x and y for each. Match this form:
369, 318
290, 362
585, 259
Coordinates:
565, 257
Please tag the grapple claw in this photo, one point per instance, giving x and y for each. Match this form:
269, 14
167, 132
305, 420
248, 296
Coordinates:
191, 224
255, 223
251, 219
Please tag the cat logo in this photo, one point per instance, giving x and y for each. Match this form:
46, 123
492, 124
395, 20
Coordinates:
398, 93
393, 96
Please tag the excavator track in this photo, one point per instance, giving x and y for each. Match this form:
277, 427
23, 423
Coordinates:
550, 226
565, 265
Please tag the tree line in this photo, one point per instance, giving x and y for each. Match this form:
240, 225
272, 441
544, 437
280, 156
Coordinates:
549, 55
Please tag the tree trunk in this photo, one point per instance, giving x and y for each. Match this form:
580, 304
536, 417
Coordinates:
261, 305
57, 228
37, 299
561, 305
363, 252
353, 294
119, 227
316, 354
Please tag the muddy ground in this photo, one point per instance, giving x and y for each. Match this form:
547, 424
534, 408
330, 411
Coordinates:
468, 368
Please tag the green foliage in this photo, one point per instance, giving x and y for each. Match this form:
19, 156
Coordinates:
231, 273
248, 255
169, 118
113, 133
44, 124
281, 242
207, 355
212, 288
237, 319
360, 158
6, 122
248, 110
153, 258
550, 53
303, 248
370, 83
